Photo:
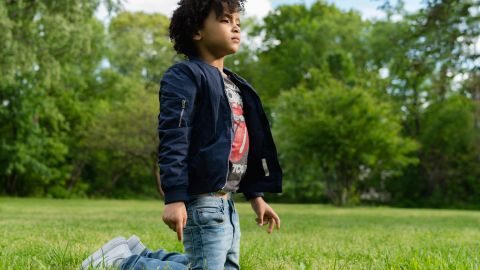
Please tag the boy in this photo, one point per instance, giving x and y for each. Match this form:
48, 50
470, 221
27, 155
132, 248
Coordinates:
215, 138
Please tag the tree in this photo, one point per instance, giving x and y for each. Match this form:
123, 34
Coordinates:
449, 142
296, 38
122, 139
139, 46
48, 56
428, 55
344, 135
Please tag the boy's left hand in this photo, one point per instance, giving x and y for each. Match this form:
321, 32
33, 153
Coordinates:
265, 214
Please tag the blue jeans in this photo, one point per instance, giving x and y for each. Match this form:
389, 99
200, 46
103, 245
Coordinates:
211, 236
211, 239
158, 260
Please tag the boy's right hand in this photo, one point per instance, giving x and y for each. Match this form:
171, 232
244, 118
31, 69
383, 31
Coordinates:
175, 216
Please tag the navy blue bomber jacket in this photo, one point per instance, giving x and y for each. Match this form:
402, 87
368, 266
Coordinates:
194, 128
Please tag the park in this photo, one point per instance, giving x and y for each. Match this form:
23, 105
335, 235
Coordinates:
355, 123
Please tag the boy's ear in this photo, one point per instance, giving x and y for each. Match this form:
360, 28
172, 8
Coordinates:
197, 36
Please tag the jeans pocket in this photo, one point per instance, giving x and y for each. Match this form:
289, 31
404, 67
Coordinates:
209, 216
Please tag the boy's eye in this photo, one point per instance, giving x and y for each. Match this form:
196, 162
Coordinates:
226, 20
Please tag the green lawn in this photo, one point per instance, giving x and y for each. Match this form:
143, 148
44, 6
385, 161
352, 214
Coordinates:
59, 234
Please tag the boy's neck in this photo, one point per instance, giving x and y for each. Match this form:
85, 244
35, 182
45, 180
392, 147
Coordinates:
213, 61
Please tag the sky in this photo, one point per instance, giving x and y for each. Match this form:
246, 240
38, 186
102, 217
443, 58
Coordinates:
260, 8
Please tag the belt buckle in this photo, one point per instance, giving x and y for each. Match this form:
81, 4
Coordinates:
222, 192
219, 193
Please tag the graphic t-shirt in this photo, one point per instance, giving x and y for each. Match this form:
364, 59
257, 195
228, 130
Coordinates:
239, 153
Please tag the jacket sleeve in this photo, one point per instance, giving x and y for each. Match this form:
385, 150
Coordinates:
177, 98
252, 195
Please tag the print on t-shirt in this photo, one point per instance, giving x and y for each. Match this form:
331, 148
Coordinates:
240, 144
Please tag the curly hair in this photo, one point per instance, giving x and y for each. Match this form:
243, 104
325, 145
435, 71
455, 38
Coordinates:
189, 17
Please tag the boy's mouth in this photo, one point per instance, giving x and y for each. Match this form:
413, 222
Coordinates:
236, 38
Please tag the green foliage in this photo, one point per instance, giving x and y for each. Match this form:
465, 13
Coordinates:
448, 149
346, 134
49, 53
122, 138
298, 38
52, 88
140, 46
389, 106
428, 55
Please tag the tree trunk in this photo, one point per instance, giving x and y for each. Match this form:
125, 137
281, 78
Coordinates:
75, 176
344, 198
11, 182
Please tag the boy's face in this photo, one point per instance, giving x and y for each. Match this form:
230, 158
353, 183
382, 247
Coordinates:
219, 36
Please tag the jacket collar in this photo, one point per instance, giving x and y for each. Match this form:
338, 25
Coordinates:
225, 69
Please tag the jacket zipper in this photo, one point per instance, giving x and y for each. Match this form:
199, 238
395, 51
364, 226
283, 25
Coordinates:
231, 139
181, 114
264, 160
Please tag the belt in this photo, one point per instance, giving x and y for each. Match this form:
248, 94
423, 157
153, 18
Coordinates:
219, 193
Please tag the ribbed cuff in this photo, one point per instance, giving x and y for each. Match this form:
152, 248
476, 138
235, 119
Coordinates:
176, 195
252, 195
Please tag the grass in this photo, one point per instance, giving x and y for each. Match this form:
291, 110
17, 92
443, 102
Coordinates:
60, 234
